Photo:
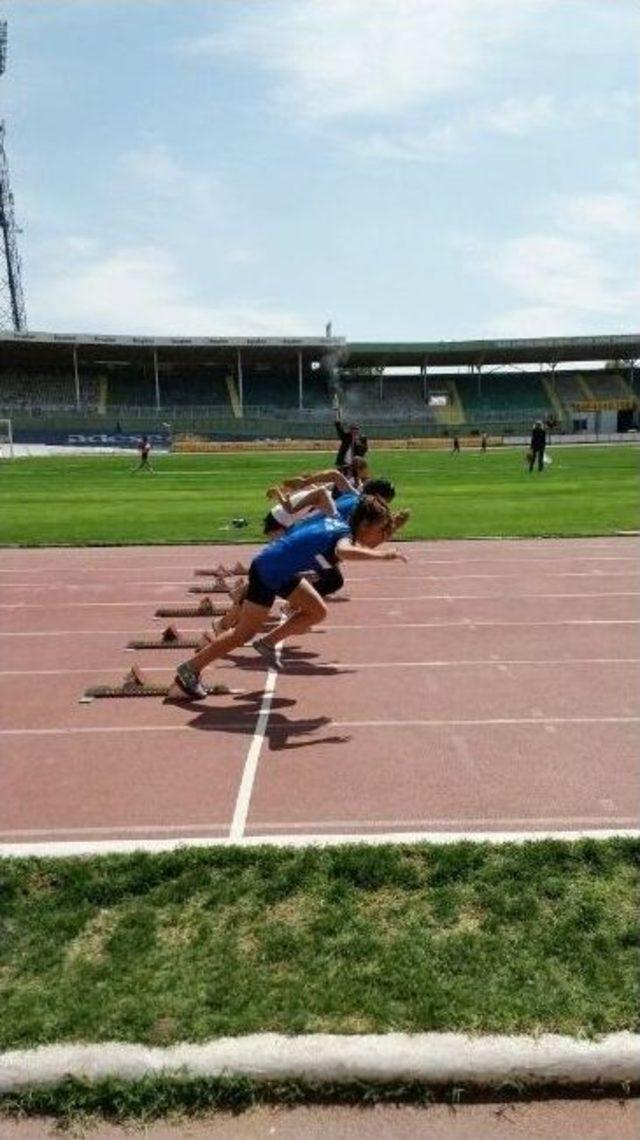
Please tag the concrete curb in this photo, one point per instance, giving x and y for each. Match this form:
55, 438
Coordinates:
431, 1058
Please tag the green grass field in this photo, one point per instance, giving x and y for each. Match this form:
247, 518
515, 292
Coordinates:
193, 944
192, 498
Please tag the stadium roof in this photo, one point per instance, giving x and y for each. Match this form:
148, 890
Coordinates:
545, 350
38, 347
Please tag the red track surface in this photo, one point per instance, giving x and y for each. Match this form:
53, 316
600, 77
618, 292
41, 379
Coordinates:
485, 687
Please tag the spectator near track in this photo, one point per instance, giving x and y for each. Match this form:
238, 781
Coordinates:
537, 446
352, 445
276, 572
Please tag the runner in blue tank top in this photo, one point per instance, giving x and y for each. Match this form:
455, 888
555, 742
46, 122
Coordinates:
330, 578
276, 571
327, 577
298, 550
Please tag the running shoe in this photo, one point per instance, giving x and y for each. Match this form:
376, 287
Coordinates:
268, 654
189, 681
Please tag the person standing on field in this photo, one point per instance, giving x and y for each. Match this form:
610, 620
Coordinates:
352, 446
537, 446
144, 447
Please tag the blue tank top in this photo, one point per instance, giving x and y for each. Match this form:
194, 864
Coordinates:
304, 547
346, 504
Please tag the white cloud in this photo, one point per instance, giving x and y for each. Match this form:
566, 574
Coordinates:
560, 272
140, 290
152, 169
536, 320
520, 116
409, 146
241, 255
615, 214
516, 118
371, 57
561, 285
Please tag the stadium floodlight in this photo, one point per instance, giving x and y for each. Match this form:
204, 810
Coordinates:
12, 310
3, 46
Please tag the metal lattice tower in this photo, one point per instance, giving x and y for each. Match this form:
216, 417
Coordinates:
12, 310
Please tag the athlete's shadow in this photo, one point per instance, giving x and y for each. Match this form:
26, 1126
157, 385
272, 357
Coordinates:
282, 732
296, 662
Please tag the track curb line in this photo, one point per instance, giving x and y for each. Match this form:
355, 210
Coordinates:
431, 1058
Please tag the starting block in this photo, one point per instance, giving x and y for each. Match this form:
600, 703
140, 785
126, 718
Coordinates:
219, 587
135, 684
206, 608
171, 638
238, 571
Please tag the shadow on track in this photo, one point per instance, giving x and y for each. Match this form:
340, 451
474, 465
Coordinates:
283, 732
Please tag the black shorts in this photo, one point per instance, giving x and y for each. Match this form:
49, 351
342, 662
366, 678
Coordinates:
262, 595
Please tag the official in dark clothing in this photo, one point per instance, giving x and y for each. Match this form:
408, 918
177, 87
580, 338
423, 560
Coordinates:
538, 444
352, 445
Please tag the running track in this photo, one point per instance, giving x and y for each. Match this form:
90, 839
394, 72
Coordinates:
486, 688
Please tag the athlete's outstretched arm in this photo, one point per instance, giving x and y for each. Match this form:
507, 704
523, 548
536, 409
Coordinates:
351, 551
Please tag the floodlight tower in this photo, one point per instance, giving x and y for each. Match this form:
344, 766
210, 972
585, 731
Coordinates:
12, 310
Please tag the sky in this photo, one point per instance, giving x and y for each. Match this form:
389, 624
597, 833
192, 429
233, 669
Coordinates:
408, 169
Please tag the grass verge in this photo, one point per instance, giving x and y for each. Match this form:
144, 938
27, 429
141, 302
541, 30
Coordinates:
80, 500
198, 943
77, 1104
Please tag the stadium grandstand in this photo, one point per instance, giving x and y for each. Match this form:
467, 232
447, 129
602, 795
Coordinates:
55, 387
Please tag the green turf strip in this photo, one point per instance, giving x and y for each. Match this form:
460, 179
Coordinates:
197, 943
193, 498
80, 1105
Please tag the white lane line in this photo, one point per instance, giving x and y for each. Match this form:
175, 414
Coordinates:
361, 598
510, 822
333, 826
490, 721
399, 598
241, 725
65, 584
433, 664
321, 839
69, 632
217, 556
510, 574
144, 604
98, 730
243, 800
142, 829
499, 661
475, 623
463, 624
